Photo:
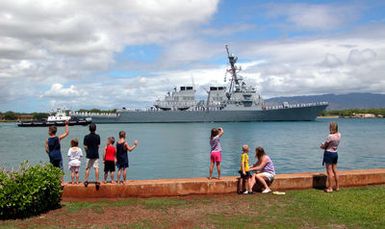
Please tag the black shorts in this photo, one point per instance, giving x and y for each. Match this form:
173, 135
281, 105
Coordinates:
109, 166
245, 176
122, 165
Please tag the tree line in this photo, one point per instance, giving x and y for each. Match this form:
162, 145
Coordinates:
12, 116
351, 112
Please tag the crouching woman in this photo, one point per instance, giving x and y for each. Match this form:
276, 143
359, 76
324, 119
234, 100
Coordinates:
264, 170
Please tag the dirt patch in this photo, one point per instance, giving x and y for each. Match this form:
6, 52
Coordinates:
175, 212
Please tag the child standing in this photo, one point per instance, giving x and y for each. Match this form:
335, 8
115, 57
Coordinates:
52, 145
109, 159
122, 157
91, 144
74, 156
245, 171
216, 151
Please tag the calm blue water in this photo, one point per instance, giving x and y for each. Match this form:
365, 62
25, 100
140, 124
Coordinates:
182, 150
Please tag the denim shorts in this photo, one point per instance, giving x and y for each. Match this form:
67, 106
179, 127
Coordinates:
330, 158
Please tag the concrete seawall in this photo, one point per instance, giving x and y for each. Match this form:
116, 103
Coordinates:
203, 186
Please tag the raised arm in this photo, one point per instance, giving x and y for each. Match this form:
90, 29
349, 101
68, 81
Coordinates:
221, 131
67, 131
131, 148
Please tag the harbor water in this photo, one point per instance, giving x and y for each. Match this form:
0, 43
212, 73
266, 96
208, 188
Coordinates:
172, 150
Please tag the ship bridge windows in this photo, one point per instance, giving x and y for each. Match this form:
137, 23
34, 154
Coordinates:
186, 88
247, 103
217, 88
247, 96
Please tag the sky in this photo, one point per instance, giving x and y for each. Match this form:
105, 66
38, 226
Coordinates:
112, 54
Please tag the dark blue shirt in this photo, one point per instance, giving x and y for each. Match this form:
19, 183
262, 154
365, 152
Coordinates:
121, 153
54, 149
92, 141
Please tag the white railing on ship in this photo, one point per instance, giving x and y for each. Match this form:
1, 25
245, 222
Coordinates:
296, 105
95, 114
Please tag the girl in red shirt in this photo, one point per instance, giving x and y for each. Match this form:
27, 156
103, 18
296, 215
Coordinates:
109, 159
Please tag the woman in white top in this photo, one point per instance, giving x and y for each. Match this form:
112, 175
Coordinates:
331, 156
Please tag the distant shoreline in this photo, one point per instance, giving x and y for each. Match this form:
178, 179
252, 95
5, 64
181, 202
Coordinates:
329, 116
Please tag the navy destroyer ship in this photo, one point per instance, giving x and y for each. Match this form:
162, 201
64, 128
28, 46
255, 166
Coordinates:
236, 103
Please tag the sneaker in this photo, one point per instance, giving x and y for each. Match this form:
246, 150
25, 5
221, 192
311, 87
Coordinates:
266, 191
245, 192
85, 184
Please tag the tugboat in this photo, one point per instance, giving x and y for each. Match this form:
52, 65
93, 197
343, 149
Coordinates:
58, 119
238, 102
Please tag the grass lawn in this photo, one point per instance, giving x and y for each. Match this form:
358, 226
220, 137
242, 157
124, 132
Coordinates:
362, 207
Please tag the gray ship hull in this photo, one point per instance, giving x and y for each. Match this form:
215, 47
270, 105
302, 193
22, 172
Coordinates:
300, 113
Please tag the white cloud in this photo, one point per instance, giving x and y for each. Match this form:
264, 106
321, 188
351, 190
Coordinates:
314, 16
357, 57
331, 61
302, 67
58, 91
48, 42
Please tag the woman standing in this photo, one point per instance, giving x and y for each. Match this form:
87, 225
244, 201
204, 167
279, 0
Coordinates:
331, 156
264, 169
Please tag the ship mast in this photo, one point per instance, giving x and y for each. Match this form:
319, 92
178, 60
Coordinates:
233, 70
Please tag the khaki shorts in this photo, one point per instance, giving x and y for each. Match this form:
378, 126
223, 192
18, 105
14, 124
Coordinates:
92, 163
269, 176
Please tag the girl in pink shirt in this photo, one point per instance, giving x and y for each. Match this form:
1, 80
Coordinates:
216, 151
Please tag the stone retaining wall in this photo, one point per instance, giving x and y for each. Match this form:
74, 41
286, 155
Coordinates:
203, 186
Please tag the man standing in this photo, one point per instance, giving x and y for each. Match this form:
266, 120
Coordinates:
91, 145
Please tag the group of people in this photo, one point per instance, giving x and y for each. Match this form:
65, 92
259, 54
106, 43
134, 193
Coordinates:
112, 156
263, 170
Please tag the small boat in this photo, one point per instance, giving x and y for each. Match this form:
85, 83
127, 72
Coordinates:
58, 119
